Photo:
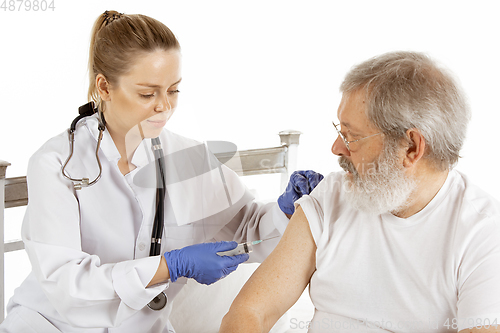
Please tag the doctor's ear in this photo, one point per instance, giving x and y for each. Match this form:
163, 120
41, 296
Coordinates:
102, 87
416, 147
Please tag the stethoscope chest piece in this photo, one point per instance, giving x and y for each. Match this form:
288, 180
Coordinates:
158, 302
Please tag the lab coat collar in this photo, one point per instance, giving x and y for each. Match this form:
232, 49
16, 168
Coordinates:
107, 144
142, 155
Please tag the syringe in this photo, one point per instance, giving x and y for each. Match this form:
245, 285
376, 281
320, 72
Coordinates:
246, 247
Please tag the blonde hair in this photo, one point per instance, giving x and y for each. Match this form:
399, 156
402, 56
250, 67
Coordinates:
116, 42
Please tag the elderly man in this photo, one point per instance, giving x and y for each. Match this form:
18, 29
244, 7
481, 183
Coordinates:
399, 242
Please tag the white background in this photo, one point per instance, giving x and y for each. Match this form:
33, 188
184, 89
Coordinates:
252, 69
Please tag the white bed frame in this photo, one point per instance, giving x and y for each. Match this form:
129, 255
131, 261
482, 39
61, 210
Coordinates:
281, 159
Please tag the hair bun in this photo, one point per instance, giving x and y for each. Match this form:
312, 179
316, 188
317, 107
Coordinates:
111, 16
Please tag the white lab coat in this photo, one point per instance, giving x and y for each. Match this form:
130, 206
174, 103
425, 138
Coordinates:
90, 248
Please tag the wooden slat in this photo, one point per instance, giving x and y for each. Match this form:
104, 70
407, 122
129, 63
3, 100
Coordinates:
13, 245
256, 161
3, 168
16, 192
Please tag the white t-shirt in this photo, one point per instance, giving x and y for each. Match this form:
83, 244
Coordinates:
436, 271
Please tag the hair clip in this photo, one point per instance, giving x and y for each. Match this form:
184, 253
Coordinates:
108, 18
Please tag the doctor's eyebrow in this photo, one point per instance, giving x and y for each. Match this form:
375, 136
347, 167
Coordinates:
156, 85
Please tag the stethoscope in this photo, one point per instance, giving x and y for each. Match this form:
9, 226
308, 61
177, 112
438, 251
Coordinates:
84, 111
160, 301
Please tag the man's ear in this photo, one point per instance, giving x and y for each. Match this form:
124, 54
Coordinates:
415, 149
102, 87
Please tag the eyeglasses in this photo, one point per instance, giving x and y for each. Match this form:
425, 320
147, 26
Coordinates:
337, 127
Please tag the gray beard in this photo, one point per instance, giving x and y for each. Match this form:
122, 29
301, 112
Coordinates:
383, 188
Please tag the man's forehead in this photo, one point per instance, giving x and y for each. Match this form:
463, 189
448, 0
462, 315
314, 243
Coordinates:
352, 110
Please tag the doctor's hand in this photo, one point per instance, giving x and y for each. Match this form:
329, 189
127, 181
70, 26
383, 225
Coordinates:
201, 262
301, 182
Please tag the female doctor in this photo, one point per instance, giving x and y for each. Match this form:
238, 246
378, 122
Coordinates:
99, 262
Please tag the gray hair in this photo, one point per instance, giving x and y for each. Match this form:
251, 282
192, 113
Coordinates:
407, 90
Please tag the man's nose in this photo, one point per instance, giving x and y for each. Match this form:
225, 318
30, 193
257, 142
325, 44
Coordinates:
339, 148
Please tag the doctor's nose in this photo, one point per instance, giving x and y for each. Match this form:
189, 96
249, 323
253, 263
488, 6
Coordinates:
164, 104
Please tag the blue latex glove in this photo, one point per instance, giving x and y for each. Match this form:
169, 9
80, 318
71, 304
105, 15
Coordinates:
201, 262
301, 182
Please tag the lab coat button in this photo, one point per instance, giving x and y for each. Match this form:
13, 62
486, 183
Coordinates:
142, 246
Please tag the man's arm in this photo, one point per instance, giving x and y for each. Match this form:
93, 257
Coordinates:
277, 284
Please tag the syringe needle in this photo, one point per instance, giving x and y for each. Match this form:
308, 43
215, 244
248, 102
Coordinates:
270, 238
